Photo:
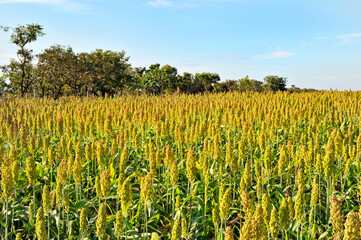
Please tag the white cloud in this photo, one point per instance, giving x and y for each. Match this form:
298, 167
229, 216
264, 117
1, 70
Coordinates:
82, 7
342, 36
31, 1
170, 4
279, 54
274, 48
160, 3
351, 35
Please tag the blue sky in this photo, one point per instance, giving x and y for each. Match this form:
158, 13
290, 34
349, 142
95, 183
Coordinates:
316, 44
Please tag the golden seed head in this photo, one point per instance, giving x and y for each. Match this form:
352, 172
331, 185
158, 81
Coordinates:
215, 216
267, 158
31, 211
118, 224
176, 230
123, 159
266, 205
77, 168
7, 181
184, 229
290, 209
101, 222
40, 230
174, 174
228, 234
83, 220
282, 161
59, 193
105, 182
146, 186
191, 166
97, 187
46, 199
100, 152
13, 155
225, 204
62, 172
314, 193
258, 214
336, 218
283, 214
88, 153
126, 197
66, 203
154, 236
352, 226
274, 224
152, 163
31, 170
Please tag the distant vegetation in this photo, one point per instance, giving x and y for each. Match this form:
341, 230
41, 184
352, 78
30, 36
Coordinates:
59, 71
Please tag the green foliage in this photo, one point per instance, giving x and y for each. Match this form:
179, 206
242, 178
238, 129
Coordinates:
275, 83
19, 72
246, 84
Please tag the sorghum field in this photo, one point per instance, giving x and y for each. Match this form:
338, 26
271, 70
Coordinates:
218, 166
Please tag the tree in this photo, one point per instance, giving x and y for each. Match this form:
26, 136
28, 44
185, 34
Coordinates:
205, 81
158, 79
186, 83
137, 74
151, 80
227, 86
3, 85
19, 72
56, 68
247, 84
111, 71
169, 78
275, 83
81, 81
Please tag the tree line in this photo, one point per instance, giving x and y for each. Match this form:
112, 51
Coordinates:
59, 71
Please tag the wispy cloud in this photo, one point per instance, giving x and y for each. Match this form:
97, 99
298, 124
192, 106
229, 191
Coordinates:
350, 35
274, 48
160, 3
170, 4
32, 1
79, 6
342, 39
276, 55
341, 36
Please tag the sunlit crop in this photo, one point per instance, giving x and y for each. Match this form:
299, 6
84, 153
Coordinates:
214, 166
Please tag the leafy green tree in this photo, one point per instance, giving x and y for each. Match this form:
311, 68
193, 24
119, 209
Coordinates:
227, 86
186, 83
205, 81
275, 83
169, 78
156, 79
151, 80
110, 71
19, 72
137, 74
247, 84
55, 69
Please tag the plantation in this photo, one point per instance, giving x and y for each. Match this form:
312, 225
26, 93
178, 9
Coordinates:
214, 166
